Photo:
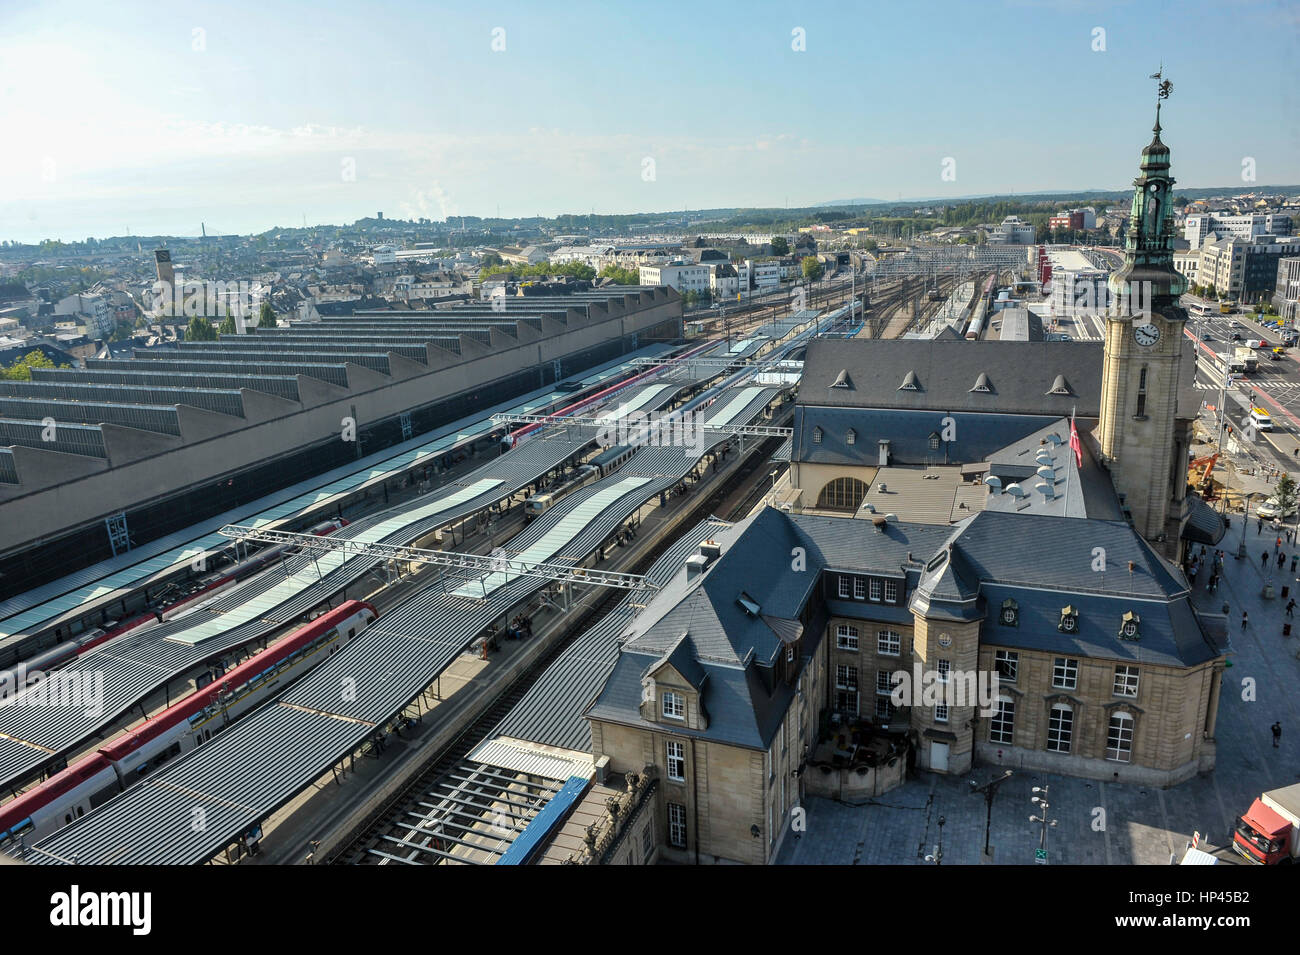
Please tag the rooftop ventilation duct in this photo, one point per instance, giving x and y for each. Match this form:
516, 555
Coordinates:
1015, 490
1047, 474
1045, 489
994, 482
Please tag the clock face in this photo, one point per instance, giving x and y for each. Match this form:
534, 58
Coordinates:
1146, 335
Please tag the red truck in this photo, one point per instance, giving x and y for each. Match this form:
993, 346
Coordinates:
1269, 832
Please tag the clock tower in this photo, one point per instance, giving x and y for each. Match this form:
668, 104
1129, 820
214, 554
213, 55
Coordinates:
1143, 441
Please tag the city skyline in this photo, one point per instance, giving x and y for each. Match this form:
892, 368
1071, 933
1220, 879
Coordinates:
476, 114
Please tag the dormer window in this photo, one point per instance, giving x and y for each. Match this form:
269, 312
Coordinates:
982, 384
910, 383
817, 435
1010, 615
1129, 627
674, 706
934, 441
851, 437
1069, 620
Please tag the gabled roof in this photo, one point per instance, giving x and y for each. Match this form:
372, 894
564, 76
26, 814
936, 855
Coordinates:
942, 370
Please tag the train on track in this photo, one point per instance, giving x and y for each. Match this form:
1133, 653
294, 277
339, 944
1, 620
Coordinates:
99, 776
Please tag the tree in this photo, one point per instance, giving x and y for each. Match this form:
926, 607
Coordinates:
780, 246
21, 369
228, 326
812, 268
870, 245
621, 275
200, 330
266, 316
1285, 494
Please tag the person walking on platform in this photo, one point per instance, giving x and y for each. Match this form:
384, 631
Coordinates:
1245, 619
1277, 733
1290, 607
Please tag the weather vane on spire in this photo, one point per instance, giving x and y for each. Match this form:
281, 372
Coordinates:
1163, 89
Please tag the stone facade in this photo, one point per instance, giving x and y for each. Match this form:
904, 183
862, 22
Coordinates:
1172, 713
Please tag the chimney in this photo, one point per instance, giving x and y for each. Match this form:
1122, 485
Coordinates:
695, 565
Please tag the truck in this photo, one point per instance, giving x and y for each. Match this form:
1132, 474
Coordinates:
1269, 832
1246, 357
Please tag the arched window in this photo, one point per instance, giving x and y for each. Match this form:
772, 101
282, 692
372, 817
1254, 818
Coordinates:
842, 494
1060, 728
1119, 737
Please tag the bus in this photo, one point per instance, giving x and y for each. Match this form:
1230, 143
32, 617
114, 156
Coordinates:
1199, 310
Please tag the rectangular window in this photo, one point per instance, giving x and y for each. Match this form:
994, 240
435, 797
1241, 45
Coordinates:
884, 682
1060, 727
1065, 673
1119, 738
889, 643
674, 706
844, 586
1007, 663
846, 637
941, 713
944, 668
648, 839
885, 710
1003, 722
859, 588
677, 825
846, 677
1126, 681
875, 589
891, 591
676, 761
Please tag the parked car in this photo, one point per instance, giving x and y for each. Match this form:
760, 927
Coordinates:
1271, 509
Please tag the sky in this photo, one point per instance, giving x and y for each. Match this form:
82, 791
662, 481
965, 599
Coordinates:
147, 118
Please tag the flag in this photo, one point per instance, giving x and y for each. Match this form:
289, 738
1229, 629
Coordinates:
1075, 446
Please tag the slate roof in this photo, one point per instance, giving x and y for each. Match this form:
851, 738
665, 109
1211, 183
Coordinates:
962, 571
945, 370
976, 434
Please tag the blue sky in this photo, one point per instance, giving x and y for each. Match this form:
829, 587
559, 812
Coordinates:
155, 117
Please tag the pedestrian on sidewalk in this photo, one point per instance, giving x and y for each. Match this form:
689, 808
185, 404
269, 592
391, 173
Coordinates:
1277, 734
1294, 559
1245, 619
1213, 583
1259, 526
1281, 559
1290, 606
1263, 560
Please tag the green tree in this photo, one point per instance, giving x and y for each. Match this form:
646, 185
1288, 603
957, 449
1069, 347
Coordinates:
621, 275
200, 330
266, 316
1285, 494
812, 268
228, 324
870, 245
21, 369
780, 246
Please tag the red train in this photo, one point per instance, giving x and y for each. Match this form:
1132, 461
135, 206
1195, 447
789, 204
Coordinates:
97, 777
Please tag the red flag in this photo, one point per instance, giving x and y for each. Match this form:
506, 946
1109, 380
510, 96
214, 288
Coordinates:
1075, 445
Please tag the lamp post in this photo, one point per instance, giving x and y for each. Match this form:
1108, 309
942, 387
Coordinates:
989, 789
1040, 800
1245, 519
937, 856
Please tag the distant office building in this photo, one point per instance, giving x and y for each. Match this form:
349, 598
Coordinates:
759, 276
1201, 226
1286, 290
383, 255
682, 276
1076, 219
94, 308
724, 281
1245, 269
1012, 231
